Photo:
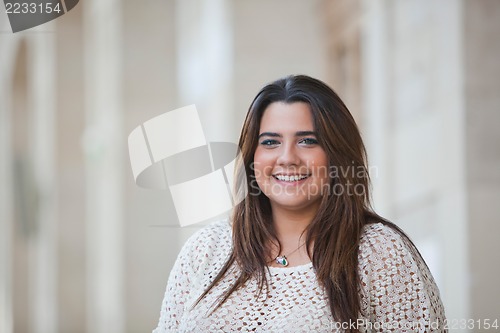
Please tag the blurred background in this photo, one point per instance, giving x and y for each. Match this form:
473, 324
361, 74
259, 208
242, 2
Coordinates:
83, 249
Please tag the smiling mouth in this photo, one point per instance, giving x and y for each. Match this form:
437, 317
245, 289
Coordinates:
290, 178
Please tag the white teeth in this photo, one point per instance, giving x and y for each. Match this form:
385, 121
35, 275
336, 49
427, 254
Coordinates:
293, 178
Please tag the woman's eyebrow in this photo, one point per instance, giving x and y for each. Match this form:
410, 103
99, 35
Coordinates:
277, 135
305, 133
271, 134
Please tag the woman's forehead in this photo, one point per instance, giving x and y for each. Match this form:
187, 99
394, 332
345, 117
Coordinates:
283, 117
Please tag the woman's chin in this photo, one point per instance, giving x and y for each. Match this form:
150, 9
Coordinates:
292, 203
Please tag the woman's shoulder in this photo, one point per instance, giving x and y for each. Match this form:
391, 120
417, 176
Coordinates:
211, 243
380, 241
216, 231
386, 249
395, 280
382, 234
216, 235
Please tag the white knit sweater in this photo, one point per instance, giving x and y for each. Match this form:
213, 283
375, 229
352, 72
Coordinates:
397, 291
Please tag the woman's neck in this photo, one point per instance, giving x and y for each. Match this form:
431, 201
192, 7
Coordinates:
290, 224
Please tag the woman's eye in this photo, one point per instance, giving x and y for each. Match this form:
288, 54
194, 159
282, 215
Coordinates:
309, 141
269, 142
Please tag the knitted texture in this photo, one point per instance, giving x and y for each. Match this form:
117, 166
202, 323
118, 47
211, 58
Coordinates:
397, 290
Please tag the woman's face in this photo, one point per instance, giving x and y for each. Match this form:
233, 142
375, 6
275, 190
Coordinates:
291, 168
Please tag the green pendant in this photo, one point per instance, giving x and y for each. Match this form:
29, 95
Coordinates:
282, 260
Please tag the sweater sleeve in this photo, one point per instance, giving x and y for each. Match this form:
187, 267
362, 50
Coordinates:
188, 277
398, 291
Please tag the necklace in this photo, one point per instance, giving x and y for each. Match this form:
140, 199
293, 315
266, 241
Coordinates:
282, 260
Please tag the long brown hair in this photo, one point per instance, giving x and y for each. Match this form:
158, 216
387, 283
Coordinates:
337, 226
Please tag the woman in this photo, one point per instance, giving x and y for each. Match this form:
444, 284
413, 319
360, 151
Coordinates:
303, 251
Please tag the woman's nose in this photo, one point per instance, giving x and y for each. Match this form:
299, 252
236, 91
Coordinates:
288, 155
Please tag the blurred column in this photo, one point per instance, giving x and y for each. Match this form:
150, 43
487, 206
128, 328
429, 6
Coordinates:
104, 145
482, 154
375, 87
7, 60
205, 65
28, 256
443, 150
42, 65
